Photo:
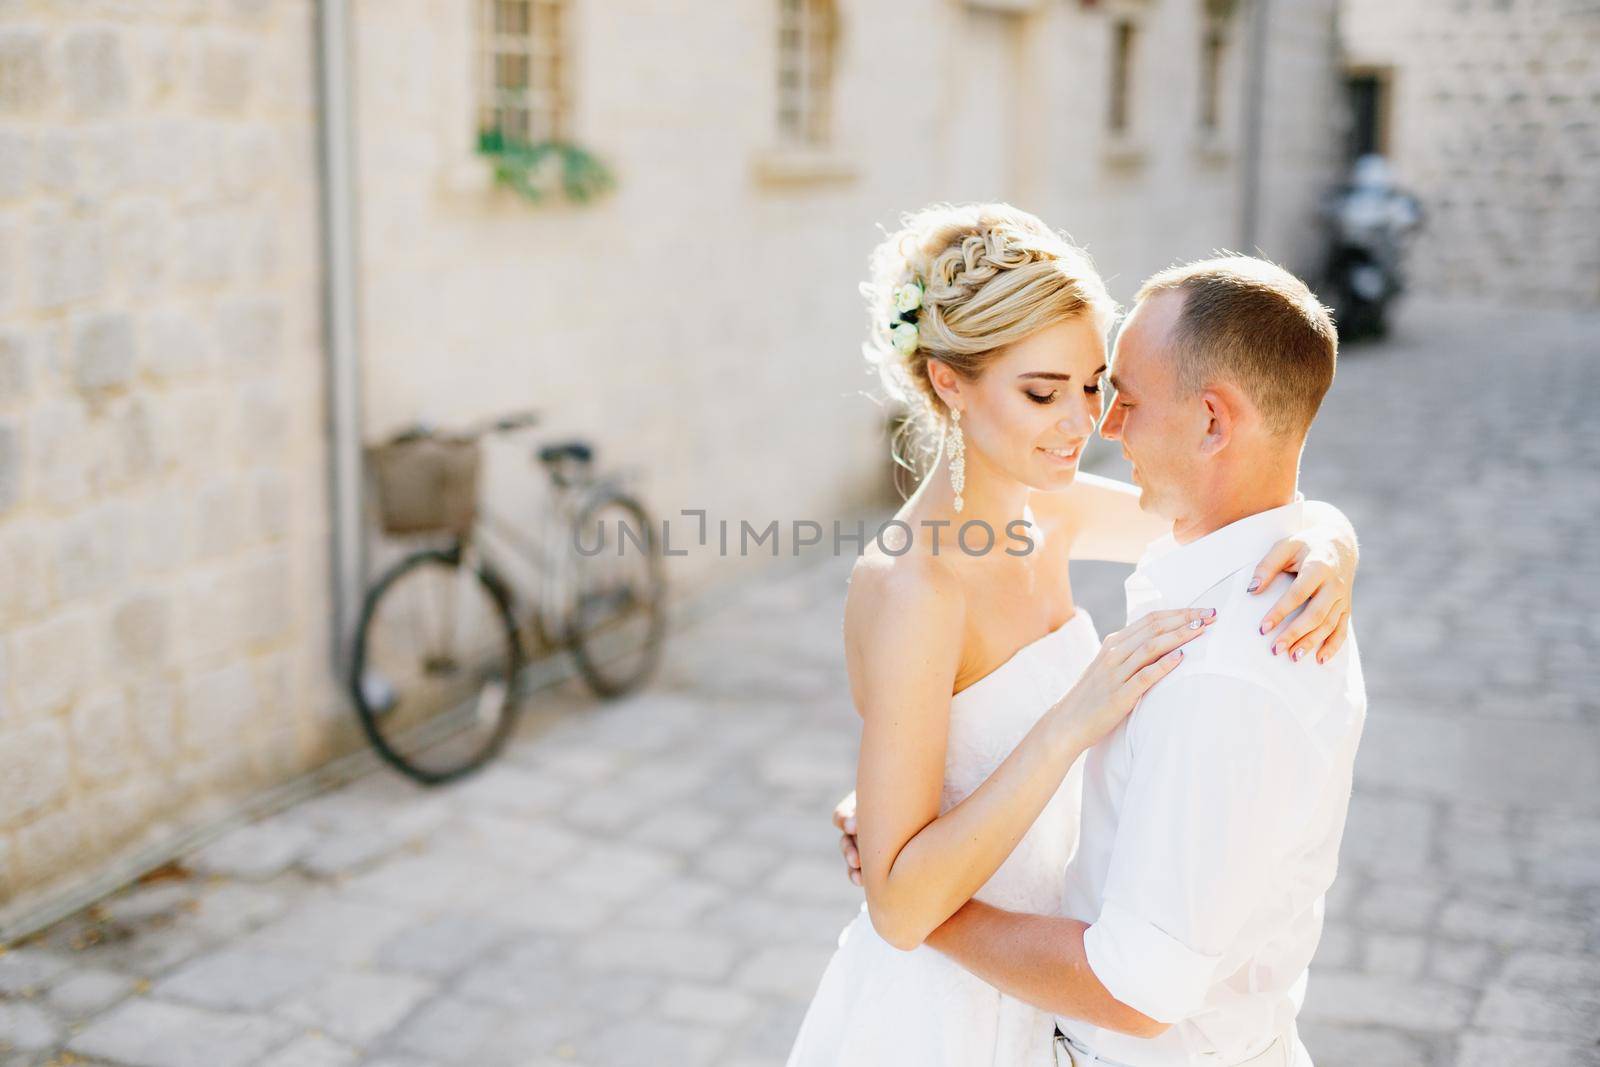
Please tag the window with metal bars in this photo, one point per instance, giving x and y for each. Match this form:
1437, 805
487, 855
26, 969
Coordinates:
523, 79
1213, 53
807, 32
1119, 115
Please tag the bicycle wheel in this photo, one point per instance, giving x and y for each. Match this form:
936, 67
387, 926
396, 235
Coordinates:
618, 612
435, 665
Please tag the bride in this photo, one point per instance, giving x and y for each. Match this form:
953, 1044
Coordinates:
978, 680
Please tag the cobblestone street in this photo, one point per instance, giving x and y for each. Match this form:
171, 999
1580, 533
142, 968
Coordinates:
655, 881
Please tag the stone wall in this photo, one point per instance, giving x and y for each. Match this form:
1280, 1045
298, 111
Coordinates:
162, 574
1495, 125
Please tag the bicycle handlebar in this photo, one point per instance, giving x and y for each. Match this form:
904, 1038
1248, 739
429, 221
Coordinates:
520, 420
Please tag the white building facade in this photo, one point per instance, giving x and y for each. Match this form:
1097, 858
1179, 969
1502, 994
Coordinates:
167, 531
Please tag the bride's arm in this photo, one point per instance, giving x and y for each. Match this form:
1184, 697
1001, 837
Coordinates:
918, 866
1105, 518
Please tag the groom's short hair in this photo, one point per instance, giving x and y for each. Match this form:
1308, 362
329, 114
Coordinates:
1257, 325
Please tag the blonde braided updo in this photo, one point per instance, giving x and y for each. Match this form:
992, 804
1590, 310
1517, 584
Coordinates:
991, 275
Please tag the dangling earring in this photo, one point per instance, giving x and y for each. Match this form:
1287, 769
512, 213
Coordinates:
958, 457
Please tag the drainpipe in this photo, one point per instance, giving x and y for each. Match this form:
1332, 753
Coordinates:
1255, 106
342, 383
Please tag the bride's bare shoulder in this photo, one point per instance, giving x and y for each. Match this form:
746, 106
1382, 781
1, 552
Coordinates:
913, 590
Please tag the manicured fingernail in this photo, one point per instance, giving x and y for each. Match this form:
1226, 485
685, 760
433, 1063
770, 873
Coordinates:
1265, 628
1299, 654
1277, 647
1196, 624
1255, 583
1209, 612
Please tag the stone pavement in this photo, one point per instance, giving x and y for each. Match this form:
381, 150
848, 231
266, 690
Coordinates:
655, 881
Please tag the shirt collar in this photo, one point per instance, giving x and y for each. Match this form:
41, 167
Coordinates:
1177, 574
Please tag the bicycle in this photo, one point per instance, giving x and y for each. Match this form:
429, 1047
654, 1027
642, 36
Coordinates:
438, 651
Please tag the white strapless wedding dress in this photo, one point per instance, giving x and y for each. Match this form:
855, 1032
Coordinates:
880, 1007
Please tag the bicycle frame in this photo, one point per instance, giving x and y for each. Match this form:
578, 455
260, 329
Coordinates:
548, 552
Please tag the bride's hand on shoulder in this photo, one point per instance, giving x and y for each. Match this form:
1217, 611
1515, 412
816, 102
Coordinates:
1129, 662
1323, 560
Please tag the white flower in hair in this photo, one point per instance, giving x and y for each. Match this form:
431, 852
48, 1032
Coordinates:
908, 297
904, 337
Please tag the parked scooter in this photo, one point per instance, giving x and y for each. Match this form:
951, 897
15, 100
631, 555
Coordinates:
1371, 219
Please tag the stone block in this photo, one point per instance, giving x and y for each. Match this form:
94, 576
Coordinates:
94, 70
273, 504
1347, 1046
149, 1033
1460, 964
358, 1007
313, 1050
10, 234
16, 164
49, 846
788, 971
116, 817
444, 945
129, 445
101, 736
1546, 970
238, 979
250, 335
217, 707
1399, 906
106, 170
1400, 955
67, 257
262, 425
27, 972
333, 929
91, 553
50, 660
1477, 1048
444, 1030
141, 630
88, 991
11, 465
58, 453
23, 574
55, 167
174, 346
153, 703
27, 84
690, 954
1566, 1014
221, 518
713, 1005
103, 352
227, 73
26, 1027
206, 247
16, 366
1365, 1000
140, 237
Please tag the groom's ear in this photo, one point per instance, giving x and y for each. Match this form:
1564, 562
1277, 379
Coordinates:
1223, 409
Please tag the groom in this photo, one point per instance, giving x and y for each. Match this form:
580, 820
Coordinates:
1212, 816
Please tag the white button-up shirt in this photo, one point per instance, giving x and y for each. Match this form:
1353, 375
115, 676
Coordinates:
1212, 815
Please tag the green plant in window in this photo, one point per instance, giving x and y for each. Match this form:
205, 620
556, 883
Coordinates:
535, 169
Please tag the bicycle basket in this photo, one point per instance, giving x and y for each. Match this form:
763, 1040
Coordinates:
426, 484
